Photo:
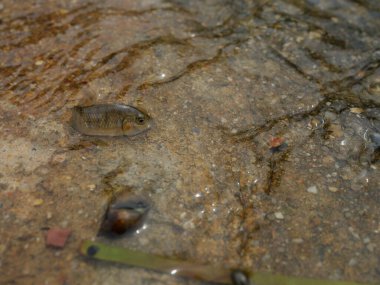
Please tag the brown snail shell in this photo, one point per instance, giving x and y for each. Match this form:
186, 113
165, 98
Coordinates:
124, 216
239, 277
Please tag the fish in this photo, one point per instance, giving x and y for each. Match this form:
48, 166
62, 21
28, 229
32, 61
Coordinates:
110, 120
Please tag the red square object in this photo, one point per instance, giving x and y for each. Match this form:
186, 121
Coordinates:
57, 237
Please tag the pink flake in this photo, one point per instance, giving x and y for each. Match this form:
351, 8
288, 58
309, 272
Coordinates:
57, 237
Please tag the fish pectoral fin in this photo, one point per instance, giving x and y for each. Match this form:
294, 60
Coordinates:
127, 125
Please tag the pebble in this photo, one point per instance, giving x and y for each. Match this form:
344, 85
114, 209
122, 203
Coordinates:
356, 110
58, 158
313, 189
352, 231
328, 160
336, 130
189, 225
330, 116
352, 262
91, 187
371, 247
333, 189
49, 215
38, 202
266, 257
183, 215
39, 62
315, 35
297, 240
279, 215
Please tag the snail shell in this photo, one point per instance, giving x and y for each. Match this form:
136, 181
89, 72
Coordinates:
239, 277
124, 216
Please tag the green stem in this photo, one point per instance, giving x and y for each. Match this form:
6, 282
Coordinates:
149, 261
221, 275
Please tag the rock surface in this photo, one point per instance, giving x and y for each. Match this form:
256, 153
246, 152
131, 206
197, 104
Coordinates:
221, 80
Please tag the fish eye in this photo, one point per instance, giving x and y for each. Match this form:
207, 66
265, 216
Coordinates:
140, 120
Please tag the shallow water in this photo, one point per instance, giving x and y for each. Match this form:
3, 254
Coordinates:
222, 80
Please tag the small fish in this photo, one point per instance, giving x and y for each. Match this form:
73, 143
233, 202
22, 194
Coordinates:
109, 120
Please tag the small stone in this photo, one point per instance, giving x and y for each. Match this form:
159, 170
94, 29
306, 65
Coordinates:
314, 123
49, 215
67, 177
313, 189
58, 158
279, 215
328, 160
371, 247
330, 116
189, 225
91, 187
183, 215
57, 237
39, 62
235, 169
336, 130
297, 240
38, 202
356, 110
315, 34
352, 262
333, 189
354, 234
266, 257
